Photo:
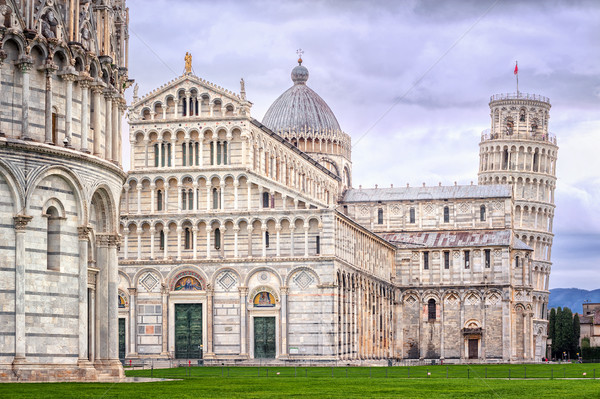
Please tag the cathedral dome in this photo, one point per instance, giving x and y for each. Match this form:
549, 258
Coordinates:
300, 108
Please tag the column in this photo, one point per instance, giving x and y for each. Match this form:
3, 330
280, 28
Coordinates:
25, 63
83, 234
50, 68
165, 328
122, 108
208, 232
132, 322
236, 184
139, 198
264, 241
236, 231
179, 199
249, 184
243, 294
306, 228
139, 242
116, 123
152, 190
108, 132
102, 301
210, 293
69, 78
96, 92
284, 345
152, 237
278, 243
194, 239
113, 309
20, 339
179, 230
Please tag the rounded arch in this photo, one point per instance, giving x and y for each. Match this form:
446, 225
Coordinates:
258, 269
16, 190
299, 269
140, 273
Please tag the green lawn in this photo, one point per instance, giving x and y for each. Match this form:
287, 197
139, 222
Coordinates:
352, 382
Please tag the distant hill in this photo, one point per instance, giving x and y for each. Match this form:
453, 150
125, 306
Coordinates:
572, 298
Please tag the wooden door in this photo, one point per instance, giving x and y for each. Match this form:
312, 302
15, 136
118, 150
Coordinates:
188, 330
473, 348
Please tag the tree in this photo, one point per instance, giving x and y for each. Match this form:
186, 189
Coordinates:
567, 326
576, 332
557, 343
552, 329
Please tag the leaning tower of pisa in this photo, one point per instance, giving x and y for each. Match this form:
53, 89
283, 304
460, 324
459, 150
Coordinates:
519, 150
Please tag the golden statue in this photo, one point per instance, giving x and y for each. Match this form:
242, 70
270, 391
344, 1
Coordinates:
188, 62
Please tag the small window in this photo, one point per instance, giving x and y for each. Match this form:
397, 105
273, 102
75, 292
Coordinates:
212, 152
224, 153
516, 261
183, 199
446, 214
522, 116
215, 198
168, 154
266, 200
156, 155
159, 200
346, 210
184, 152
267, 239
217, 239
426, 260
318, 245
482, 213
446, 259
467, 259
487, 258
161, 240
380, 216
431, 311
196, 153
191, 154
53, 239
187, 238
54, 129
412, 215
219, 149
190, 200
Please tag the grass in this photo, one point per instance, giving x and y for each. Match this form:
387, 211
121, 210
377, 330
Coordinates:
353, 382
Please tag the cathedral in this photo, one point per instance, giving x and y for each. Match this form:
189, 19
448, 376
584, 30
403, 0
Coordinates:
237, 240
245, 240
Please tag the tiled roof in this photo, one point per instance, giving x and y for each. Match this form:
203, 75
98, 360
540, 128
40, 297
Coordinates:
452, 239
428, 193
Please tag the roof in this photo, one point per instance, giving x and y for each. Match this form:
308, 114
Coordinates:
451, 239
428, 193
300, 108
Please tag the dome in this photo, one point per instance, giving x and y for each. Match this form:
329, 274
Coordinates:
300, 108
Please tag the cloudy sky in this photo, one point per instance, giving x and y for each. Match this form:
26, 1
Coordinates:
410, 81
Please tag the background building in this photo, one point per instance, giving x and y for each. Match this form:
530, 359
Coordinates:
63, 69
244, 240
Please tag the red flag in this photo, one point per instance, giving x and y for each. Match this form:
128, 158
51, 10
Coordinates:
516, 69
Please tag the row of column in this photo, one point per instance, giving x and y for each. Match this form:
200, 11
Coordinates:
113, 108
97, 321
509, 160
209, 233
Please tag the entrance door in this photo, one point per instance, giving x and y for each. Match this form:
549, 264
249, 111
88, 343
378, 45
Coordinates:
264, 337
473, 348
121, 338
188, 330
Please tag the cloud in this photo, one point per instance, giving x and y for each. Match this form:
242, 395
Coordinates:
406, 81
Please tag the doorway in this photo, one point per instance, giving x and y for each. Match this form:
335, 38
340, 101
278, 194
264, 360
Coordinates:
473, 348
264, 337
121, 338
188, 331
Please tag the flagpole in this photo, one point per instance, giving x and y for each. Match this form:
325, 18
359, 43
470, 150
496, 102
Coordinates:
517, 73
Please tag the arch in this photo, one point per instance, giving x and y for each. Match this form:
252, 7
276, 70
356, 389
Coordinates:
16, 190
260, 269
299, 269
140, 273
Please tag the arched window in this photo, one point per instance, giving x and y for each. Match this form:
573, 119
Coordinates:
516, 261
184, 108
224, 153
184, 152
197, 146
191, 154
318, 245
183, 199
505, 159
412, 215
431, 313
54, 129
467, 259
161, 239
156, 155
190, 199
212, 152
535, 161
426, 260
522, 116
159, 200
266, 200
380, 216
188, 238
53, 239
267, 239
215, 198
482, 213
217, 238
218, 144
446, 214
168, 155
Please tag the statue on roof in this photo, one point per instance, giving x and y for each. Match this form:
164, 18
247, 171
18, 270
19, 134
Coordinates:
188, 62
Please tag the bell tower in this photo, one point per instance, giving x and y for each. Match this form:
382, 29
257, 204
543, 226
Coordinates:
519, 150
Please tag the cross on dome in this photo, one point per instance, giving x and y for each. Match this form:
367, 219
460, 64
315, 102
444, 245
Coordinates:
299, 52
